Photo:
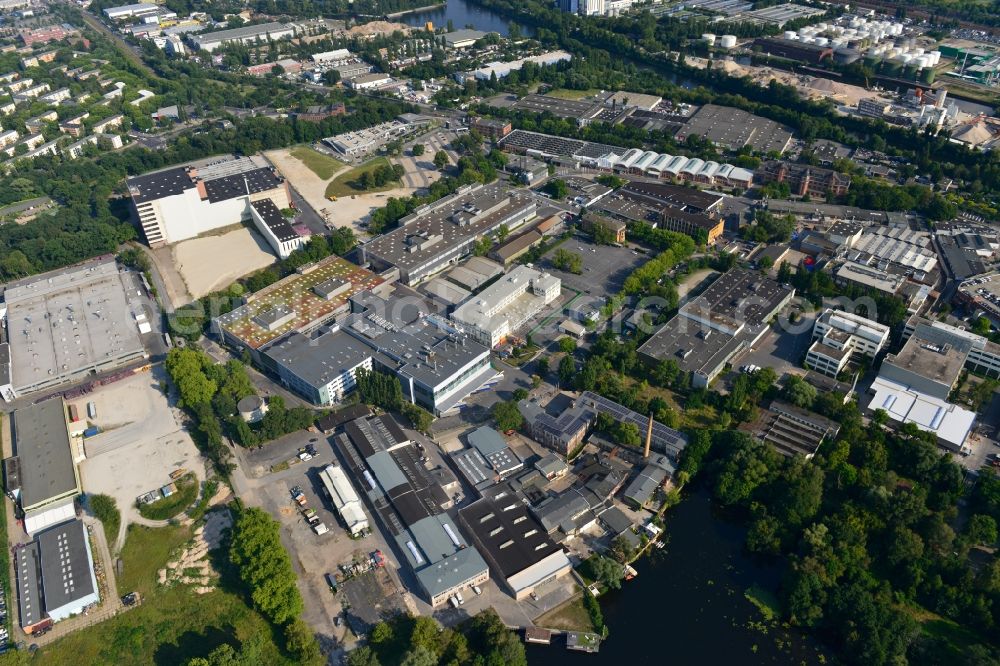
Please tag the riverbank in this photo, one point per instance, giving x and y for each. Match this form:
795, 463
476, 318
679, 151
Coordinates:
415, 10
691, 598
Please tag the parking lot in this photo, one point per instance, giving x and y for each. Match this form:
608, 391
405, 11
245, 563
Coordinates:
783, 347
142, 441
314, 555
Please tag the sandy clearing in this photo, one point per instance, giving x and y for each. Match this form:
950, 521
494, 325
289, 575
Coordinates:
349, 212
211, 263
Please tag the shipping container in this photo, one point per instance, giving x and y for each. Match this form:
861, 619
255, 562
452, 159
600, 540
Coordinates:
74, 414
91, 431
92, 409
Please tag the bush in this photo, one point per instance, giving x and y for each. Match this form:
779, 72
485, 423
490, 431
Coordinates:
106, 510
169, 507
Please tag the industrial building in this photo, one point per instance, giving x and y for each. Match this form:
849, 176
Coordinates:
839, 336
651, 477
344, 499
249, 34
521, 555
794, 49
42, 476
370, 139
408, 504
487, 460
437, 235
733, 129
792, 430
506, 305
55, 576
463, 38
299, 303
437, 365
914, 384
726, 320
502, 69
183, 202
699, 226
804, 180
66, 325
137, 10
273, 226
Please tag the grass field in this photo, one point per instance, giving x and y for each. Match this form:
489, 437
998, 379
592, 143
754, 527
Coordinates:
173, 624
565, 93
346, 183
571, 616
322, 165
169, 507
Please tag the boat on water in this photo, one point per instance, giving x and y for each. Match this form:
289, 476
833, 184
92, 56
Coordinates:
630, 573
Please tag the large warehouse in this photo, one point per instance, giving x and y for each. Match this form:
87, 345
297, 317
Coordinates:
437, 235
344, 499
55, 576
66, 325
727, 319
520, 552
42, 474
409, 504
249, 34
183, 202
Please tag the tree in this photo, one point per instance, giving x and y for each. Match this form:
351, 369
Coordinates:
441, 160
982, 529
565, 260
264, 566
503, 231
603, 234
799, 392
419, 417
520, 394
331, 77
417, 149
567, 370
542, 366
621, 550
567, 345
507, 415
557, 189
606, 571
300, 642
363, 656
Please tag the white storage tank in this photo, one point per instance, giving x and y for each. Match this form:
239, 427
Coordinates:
809, 40
922, 61
727, 41
935, 57
791, 34
822, 41
708, 38
918, 51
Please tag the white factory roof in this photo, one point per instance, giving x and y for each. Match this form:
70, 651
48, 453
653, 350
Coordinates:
660, 162
949, 422
677, 164
645, 160
630, 157
709, 169
693, 166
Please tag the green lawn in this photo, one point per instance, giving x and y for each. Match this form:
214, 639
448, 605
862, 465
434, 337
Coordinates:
565, 93
346, 183
172, 625
169, 507
322, 165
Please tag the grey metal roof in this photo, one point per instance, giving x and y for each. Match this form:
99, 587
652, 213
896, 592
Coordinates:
454, 570
645, 484
29, 588
67, 568
385, 470
274, 220
261, 30
42, 445
487, 440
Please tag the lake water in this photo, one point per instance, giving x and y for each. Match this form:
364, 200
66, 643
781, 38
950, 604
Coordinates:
461, 14
687, 606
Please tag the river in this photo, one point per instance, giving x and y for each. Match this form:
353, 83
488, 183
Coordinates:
687, 605
461, 13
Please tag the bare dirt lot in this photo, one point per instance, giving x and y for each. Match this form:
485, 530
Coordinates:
142, 442
210, 263
302, 178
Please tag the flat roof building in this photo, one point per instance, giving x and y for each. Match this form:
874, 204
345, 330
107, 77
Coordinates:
437, 235
733, 129
506, 305
839, 336
46, 480
186, 201
298, 303
437, 365
727, 319
518, 549
463, 38
488, 460
278, 232
249, 34
68, 324
55, 575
